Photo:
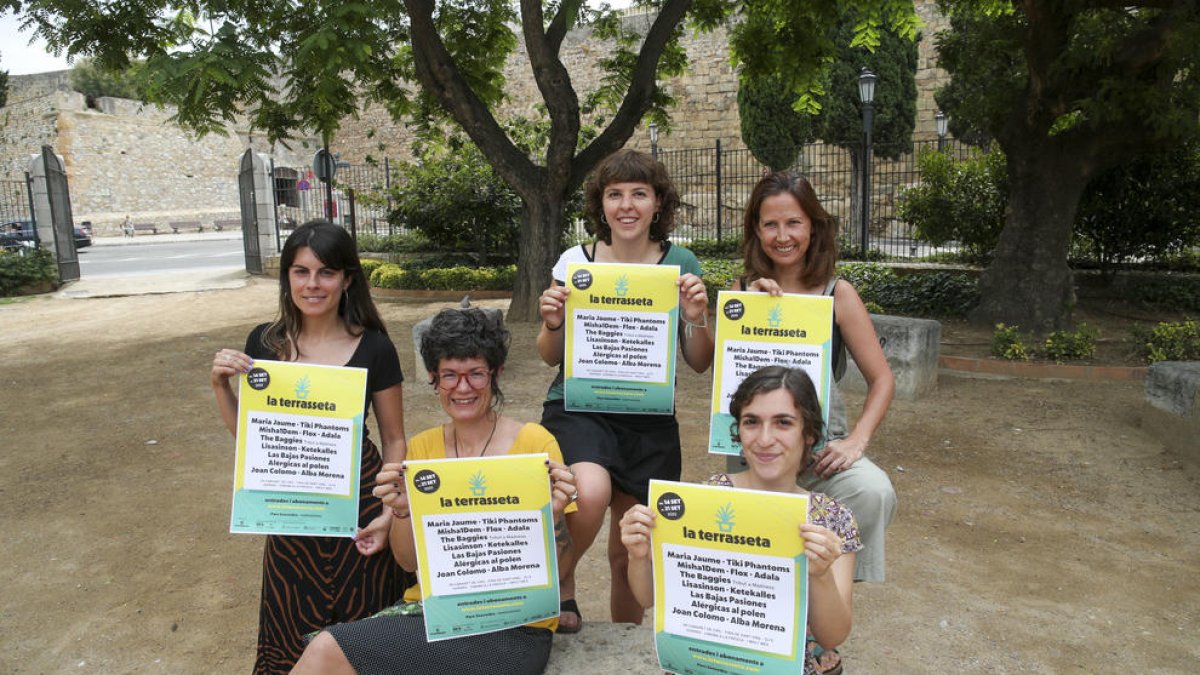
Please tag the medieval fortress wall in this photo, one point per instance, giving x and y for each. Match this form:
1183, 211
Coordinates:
125, 158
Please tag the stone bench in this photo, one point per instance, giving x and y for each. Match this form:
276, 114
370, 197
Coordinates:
1173, 392
145, 227
187, 226
912, 347
230, 223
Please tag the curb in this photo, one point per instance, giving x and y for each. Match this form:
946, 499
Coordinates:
1056, 371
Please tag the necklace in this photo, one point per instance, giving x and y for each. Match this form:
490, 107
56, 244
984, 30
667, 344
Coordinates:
495, 421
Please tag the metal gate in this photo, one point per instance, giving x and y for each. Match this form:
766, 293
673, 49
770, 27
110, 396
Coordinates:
60, 216
249, 205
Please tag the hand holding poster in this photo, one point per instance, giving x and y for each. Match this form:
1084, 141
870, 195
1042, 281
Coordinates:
483, 530
730, 579
620, 342
756, 330
298, 450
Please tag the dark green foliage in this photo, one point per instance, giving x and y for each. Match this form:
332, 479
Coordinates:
3, 88
927, 294
1144, 208
719, 275
771, 127
454, 198
716, 248
894, 63
959, 200
1175, 293
395, 243
1071, 345
94, 81
18, 271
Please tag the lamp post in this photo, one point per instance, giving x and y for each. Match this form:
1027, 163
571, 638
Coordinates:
866, 94
942, 123
654, 140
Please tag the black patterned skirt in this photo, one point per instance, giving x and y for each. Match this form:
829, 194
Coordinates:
313, 582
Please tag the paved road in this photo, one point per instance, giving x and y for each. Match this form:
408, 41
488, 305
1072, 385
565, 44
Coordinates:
159, 258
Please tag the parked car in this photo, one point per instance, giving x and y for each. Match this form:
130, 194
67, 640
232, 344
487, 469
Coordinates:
18, 234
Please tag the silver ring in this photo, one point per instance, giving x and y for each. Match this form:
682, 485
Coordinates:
574, 496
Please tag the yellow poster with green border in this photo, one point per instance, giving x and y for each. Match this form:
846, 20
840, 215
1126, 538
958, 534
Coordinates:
622, 327
484, 534
299, 449
730, 579
756, 330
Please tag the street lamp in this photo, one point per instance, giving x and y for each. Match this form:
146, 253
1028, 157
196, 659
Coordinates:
942, 123
654, 140
866, 93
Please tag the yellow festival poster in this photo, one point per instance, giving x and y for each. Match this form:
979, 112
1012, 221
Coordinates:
484, 534
620, 343
730, 579
756, 330
299, 449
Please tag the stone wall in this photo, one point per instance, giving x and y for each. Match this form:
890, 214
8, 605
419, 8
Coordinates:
124, 158
127, 158
706, 94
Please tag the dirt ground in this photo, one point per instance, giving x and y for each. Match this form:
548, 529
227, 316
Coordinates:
1044, 526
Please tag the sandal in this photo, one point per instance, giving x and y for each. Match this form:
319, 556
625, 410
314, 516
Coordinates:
569, 607
828, 661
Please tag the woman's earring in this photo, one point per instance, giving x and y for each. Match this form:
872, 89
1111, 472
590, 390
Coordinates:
655, 218
603, 220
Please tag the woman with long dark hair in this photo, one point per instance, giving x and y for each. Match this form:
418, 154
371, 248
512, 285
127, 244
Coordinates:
326, 317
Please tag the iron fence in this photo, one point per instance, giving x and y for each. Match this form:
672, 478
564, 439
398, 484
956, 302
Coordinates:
358, 200
715, 184
14, 201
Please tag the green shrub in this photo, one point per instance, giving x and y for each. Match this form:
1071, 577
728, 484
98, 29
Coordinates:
413, 242
933, 294
369, 265
959, 200
19, 271
1178, 341
1007, 343
394, 276
1071, 345
719, 275
716, 248
1177, 293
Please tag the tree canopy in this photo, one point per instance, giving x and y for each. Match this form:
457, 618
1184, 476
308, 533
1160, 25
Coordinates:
304, 67
1067, 89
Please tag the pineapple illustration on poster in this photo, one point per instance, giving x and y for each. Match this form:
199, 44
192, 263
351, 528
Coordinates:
756, 330
730, 579
483, 530
621, 334
298, 450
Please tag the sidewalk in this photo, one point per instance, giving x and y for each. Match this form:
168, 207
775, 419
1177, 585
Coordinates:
167, 238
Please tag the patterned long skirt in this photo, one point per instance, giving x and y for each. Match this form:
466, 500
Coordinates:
312, 582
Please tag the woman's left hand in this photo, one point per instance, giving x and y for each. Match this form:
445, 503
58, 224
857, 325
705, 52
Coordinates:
821, 546
838, 456
562, 487
373, 538
693, 298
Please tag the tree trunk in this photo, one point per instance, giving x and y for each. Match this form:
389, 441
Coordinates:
541, 227
1029, 283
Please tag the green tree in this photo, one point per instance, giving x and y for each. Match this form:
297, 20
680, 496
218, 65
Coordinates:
1067, 89
3, 88
94, 81
306, 66
772, 127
